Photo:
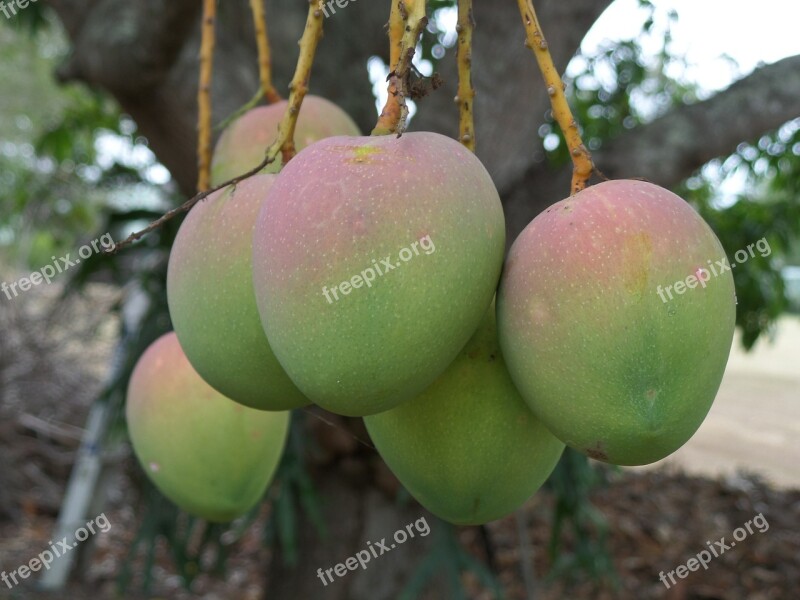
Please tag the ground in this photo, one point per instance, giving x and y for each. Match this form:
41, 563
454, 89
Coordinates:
658, 521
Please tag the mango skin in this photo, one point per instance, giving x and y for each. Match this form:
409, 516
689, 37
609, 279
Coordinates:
468, 448
242, 144
212, 303
337, 206
211, 456
608, 367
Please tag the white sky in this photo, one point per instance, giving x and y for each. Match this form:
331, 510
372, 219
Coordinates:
751, 33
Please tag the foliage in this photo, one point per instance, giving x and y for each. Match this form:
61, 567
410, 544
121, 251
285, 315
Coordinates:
448, 556
55, 192
576, 518
293, 489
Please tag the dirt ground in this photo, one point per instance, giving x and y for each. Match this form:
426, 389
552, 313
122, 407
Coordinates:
658, 521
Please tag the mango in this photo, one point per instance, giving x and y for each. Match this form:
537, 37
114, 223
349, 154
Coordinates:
615, 328
211, 456
468, 448
212, 303
374, 260
242, 144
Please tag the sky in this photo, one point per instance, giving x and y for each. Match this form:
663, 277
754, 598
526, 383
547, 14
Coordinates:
751, 33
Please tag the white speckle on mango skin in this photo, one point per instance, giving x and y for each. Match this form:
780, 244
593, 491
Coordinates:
338, 207
589, 342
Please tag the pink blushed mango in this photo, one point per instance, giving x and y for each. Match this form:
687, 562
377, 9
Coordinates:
212, 303
468, 448
211, 456
610, 367
374, 259
242, 145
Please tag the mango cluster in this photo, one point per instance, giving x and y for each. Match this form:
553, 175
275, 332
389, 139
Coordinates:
362, 278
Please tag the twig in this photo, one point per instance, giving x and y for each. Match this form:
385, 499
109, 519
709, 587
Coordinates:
64, 433
250, 104
204, 96
284, 142
466, 92
390, 115
342, 429
407, 20
298, 88
264, 56
185, 207
581, 159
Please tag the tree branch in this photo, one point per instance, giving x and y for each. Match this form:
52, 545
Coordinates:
672, 147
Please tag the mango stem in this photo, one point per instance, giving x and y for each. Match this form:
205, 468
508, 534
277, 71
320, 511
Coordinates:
204, 95
264, 55
407, 20
466, 92
582, 166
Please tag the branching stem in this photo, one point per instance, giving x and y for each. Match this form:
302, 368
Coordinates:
264, 55
406, 23
466, 92
204, 96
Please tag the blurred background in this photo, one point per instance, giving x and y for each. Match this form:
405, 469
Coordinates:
98, 134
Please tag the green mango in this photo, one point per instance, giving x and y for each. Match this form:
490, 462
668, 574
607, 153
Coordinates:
374, 260
614, 358
211, 456
212, 303
468, 448
242, 145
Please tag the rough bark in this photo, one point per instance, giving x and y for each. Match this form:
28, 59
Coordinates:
669, 148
